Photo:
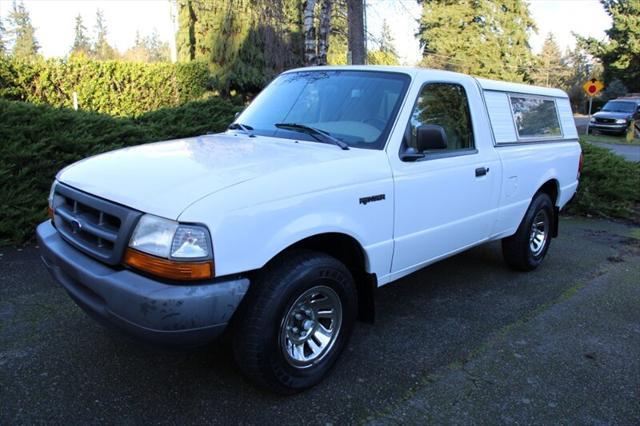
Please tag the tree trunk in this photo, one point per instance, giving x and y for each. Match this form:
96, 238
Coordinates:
310, 43
355, 16
325, 30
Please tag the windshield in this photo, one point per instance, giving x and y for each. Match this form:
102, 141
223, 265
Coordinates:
356, 107
619, 106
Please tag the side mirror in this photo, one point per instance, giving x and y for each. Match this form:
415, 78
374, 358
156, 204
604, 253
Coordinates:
429, 137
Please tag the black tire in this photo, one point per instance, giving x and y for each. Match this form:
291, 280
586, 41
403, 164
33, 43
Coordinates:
260, 334
518, 249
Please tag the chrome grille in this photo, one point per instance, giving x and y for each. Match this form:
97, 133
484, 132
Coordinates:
605, 120
98, 227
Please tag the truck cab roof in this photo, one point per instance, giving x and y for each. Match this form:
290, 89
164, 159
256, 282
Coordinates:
485, 84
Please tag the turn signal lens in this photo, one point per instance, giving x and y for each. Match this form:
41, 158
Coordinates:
170, 269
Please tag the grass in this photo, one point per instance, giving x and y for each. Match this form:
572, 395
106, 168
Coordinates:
617, 140
609, 185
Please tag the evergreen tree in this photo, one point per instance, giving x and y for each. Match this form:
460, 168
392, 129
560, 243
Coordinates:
479, 37
387, 42
158, 50
620, 55
81, 43
551, 71
101, 48
614, 89
338, 39
581, 69
246, 42
22, 32
3, 46
185, 36
386, 53
148, 49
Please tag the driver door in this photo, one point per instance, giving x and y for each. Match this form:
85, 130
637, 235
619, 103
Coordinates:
447, 200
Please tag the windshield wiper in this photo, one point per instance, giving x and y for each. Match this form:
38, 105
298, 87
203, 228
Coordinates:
244, 127
317, 134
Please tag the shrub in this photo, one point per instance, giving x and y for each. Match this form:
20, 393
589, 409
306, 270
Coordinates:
111, 87
38, 141
609, 185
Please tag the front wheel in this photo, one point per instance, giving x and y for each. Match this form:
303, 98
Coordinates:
526, 249
296, 320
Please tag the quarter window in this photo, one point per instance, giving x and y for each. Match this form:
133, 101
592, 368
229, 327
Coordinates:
445, 105
535, 117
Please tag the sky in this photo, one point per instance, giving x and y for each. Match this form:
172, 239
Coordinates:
54, 20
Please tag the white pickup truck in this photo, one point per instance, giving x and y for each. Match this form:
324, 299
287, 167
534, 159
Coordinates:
333, 182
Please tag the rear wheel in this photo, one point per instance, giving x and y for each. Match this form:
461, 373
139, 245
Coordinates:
526, 249
297, 319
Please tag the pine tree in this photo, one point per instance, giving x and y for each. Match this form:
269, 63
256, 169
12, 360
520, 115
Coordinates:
81, 43
620, 55
148, 49
158, 50
3, 46
246, 42
479, 37
581, 69
387, 42
338, 39
551, 71
22, 32
101, 48
386, 53
185, 37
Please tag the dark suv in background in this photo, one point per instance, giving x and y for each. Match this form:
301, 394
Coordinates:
616, 115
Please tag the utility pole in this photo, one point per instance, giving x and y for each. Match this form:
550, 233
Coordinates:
356, 39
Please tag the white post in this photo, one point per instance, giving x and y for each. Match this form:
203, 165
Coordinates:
589, 122
75, 101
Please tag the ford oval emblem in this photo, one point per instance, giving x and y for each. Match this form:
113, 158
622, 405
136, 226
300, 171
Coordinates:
76, 226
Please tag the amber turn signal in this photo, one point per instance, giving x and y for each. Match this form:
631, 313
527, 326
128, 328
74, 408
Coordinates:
50, 212
170, 269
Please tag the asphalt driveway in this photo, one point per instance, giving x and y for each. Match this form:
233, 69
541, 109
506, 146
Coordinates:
464, 341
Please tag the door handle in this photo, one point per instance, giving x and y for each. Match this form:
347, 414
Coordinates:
482, 171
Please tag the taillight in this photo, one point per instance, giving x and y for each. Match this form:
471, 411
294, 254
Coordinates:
580, 164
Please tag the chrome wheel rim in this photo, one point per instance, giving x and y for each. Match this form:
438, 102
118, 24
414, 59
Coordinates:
539, 232
311, 326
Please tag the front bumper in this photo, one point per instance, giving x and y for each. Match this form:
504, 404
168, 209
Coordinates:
191, 314
618, 128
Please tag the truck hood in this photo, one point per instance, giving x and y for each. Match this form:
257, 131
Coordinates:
612, 114
165, 178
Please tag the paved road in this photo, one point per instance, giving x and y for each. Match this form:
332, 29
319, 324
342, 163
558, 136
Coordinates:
629, 152
464, 341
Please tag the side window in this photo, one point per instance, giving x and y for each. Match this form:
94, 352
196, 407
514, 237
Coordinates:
445, 105
535, 117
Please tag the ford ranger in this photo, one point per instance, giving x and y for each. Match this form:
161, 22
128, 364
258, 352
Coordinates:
332, 182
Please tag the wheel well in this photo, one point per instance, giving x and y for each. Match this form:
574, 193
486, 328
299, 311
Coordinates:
348, 251
550, 188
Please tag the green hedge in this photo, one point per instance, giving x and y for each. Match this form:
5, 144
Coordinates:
609, 185
111, 87
37, 141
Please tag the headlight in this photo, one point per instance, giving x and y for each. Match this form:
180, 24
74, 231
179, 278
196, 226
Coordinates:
621, 121
177, 251
154, 235
593, 119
